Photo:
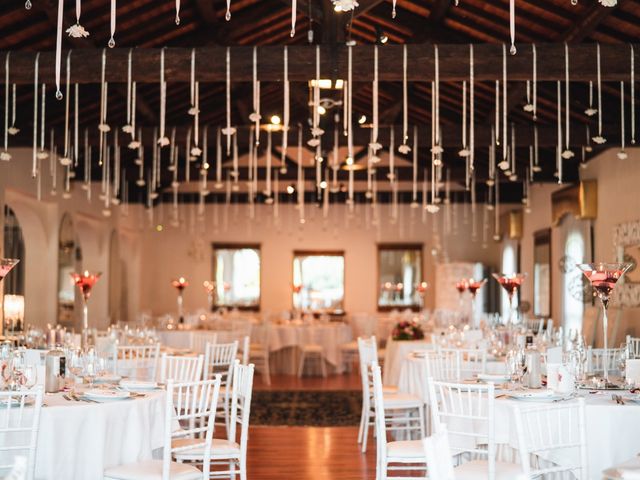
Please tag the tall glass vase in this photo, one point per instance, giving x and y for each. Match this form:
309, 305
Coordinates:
85, 281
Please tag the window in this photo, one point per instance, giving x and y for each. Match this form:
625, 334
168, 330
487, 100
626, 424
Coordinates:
399, 276
574, 251
318, 281
236, 272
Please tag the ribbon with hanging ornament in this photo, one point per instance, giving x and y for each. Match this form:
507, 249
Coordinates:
622, 155
375, 145
112, 42
5, 155
316, 131
268, 191
34, 162
414, 180
559, 145
599, 139
77, 30
59, 47
228, 131
163, 141
566, 153
404, 148
65, 160
633, 96
286, 112
255, 116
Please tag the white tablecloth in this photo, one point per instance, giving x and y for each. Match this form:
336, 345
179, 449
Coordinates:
175, 338
413, 375
78, 440
293, 336
396, 352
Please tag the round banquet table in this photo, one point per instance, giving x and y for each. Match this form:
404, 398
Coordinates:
175, 338
395, 353
78, 440
284, 342
413, 375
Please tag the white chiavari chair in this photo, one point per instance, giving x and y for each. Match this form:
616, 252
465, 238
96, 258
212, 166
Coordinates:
230, 451
402, 455
137, 361
633, 345
310, 350
597, 358
189, 414
244, 350
219, 358
535, 325
180, 368
259, 351
405, 412
558, 429
467, 410
199, 341
438, 453
19, 423
444, 364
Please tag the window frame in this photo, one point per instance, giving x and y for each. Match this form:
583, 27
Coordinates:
322, 253
214, 263
397, 246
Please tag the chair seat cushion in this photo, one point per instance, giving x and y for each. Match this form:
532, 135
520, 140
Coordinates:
152, 470
401, 400
478, 469
406, 449
220, 448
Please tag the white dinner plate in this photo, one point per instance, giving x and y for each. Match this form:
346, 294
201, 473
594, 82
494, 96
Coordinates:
493, 378
539, 396
138, 385
100, 395
109, 378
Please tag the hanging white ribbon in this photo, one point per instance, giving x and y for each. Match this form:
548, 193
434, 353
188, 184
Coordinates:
255, 116
566, 153
27, 5
437, 147
316, 131
393, 9
472, 115
294, 14
349, 105
5, 155
285, 123
599, 139
633, 96
559, 145
414, 180
512, 26
128, 127
65, 160
163, 141
622, 155
590, 111
300, 188
497, 112
177, 12
404, 148
228, 131
227, 15
13, 130
59, 47
268, 192
392, 154
112, 42
218, 185
374, 145
77, 30
504, 102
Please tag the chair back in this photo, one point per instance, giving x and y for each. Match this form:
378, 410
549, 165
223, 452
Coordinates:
19, 423
374, 372
244, 350
199, 340
438, 453
219, 358
189, 414
444, 364
467, 410
367, 351
597, 358
241, 404
180, 368
633, 346
558, 429
137, 361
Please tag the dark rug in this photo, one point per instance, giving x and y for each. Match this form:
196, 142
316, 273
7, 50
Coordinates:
306, 408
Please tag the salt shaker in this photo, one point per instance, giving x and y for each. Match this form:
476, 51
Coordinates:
55, 365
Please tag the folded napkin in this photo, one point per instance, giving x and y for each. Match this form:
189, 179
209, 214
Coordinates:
632, 371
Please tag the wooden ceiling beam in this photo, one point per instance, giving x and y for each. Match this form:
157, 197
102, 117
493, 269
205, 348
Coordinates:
453, 64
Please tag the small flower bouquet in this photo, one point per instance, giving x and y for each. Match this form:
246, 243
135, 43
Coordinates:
407, 330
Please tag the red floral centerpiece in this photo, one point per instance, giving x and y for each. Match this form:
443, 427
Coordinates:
407, 330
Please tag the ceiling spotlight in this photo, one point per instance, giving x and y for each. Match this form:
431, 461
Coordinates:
321, 110
362, 119
349, 161
381, 37
290, 189
275, 120
323, 184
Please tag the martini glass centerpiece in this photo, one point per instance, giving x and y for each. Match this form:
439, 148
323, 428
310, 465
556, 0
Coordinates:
511, 284
603, 278
210, 288
180, 284
473, 286
85, 281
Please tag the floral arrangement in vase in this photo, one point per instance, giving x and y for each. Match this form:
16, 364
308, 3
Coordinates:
407, 330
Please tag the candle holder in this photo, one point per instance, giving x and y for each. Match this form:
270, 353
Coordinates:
180, 284
85, 281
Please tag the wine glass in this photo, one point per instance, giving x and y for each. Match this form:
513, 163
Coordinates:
621, 359
90, 366
28, 376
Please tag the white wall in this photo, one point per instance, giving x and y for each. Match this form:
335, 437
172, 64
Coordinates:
40, 221
187, 250
618, 202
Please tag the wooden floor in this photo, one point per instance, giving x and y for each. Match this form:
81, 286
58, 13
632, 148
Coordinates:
310, 453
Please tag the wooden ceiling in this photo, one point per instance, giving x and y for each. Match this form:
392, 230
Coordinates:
150, 23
